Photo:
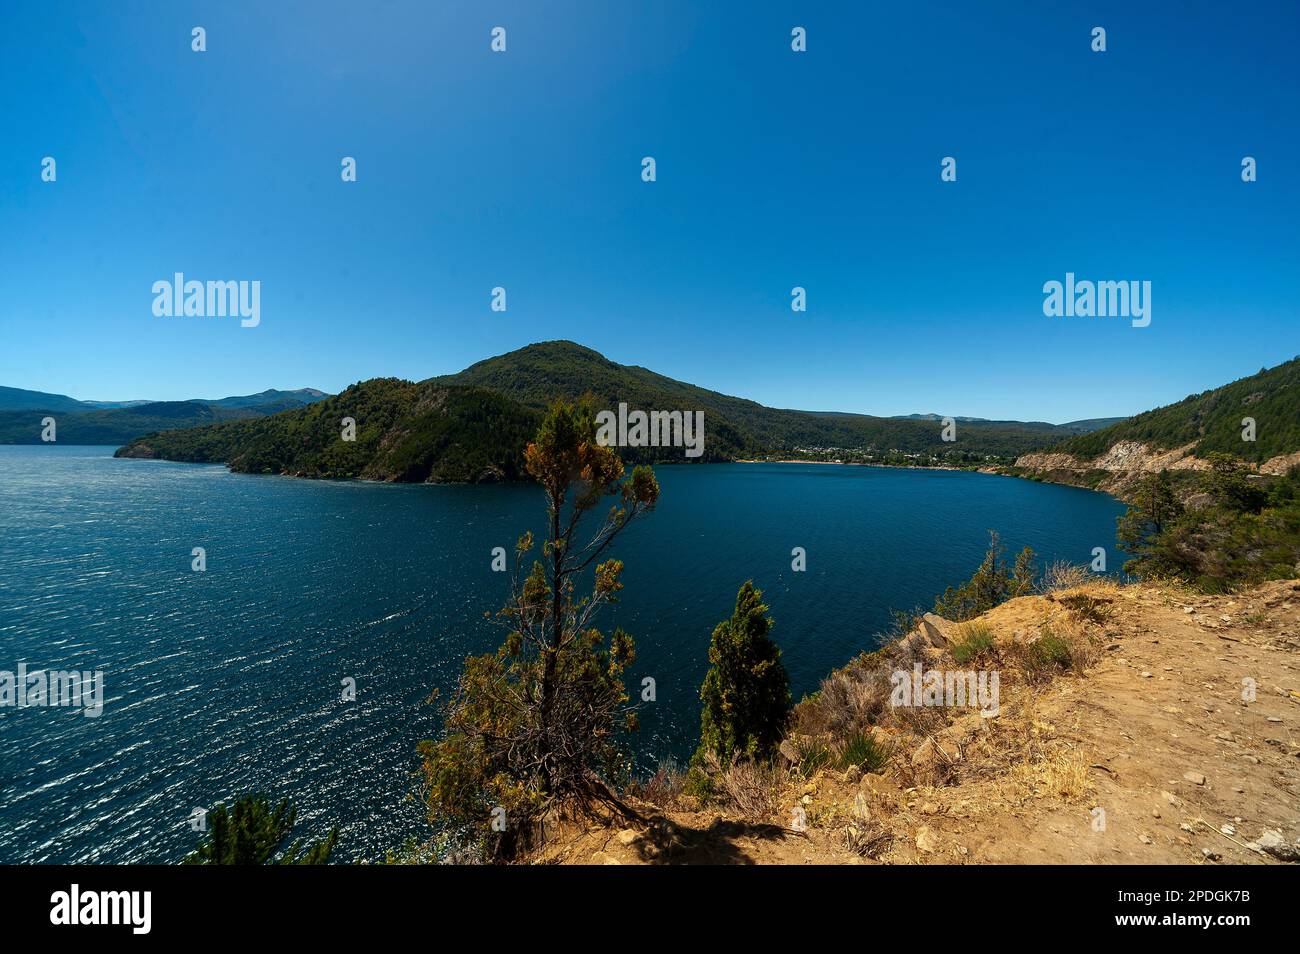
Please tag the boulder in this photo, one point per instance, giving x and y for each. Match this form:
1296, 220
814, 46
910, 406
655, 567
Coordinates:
939, 631
926, 840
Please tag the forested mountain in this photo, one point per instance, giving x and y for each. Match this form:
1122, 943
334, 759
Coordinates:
404, 432
110, 426
536, 374
474, 425
270, 398
18, 399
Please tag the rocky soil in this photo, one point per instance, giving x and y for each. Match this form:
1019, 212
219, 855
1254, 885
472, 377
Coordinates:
1175, 744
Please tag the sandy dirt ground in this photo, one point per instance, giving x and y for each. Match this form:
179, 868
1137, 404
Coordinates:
1178, 745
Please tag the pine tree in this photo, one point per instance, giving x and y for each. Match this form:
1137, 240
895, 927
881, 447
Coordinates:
993, 583
251, 833
539, 720
746, 693
1140, 530
1024, 575
1233, 486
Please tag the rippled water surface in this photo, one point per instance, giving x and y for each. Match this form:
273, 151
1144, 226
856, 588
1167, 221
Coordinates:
228, 681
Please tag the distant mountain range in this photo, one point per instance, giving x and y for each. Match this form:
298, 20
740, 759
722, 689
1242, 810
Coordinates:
1074, 427
473, 425
116, 422
16, 399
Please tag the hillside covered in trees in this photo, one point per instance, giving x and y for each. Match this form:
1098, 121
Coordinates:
473, 425
404, 432
1213, 420
736, 427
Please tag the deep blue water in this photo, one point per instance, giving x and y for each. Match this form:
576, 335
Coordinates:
228, 681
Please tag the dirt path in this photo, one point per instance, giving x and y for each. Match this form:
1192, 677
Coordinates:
1156, 735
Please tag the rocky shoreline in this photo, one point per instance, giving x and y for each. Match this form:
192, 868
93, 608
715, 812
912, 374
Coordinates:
1119, 469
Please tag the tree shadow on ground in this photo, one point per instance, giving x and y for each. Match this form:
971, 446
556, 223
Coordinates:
664, 842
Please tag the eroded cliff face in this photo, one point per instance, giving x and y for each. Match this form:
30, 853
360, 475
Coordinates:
1122, 457
1118, 470
1281, 464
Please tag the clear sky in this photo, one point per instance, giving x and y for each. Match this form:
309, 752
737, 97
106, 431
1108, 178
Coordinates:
775, 169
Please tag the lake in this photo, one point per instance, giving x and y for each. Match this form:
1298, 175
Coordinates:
228, 681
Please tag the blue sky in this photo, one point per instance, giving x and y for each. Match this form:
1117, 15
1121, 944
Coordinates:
775, 169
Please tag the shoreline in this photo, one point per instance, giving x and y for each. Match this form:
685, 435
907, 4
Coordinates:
855, 463
991, 471
984, 469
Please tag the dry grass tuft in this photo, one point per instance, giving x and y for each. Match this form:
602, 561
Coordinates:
868, 840
751, 787
850, 700
1061, 776
1063, 575
663, 788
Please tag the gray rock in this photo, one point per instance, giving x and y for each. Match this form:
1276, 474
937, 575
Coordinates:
1271, 838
